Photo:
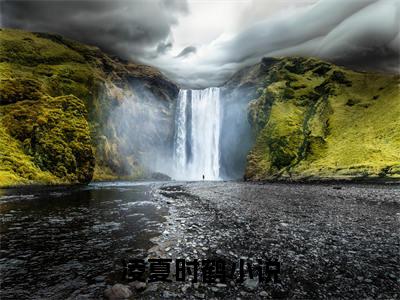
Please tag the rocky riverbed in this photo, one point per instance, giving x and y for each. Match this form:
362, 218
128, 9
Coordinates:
332, 240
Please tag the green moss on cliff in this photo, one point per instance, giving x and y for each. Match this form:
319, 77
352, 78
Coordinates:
16, 167
45, 131
314, 119
29, 49
55, 99
55, 134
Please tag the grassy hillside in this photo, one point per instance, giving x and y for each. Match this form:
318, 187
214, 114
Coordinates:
55, 100
316, 120
311, 119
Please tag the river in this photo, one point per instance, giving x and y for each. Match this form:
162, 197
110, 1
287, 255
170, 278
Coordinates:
57, 241
332, 240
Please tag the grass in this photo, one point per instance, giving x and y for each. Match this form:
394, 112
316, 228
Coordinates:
45, 87
56, 96
314, 119
16, 167
54, 137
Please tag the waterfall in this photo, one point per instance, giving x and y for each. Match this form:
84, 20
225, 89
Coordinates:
197, 133
180, 131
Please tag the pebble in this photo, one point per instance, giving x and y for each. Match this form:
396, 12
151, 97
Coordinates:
263, 294
185, 288
118, 291
168, 294
152, 288
100, 278
250, 284
138, 285
198, 295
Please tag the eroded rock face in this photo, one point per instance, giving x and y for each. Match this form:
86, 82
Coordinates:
70, 113
237, 136
317, 120
57, 104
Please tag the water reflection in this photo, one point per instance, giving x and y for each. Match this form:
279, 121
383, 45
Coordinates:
60, 242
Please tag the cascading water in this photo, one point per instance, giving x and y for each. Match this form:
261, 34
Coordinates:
180, 132
197, 133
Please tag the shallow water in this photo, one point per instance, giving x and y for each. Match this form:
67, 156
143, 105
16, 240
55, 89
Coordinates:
60, 242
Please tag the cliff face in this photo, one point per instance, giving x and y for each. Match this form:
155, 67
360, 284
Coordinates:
70, 113
57, 99
313, 119
237, 136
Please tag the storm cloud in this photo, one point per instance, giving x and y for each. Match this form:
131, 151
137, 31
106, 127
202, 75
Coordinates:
362, 34
131, 29
187, 51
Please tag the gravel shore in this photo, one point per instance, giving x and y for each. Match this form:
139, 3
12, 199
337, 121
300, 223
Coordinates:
332, 240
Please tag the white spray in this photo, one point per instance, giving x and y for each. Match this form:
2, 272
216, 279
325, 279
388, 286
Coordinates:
197, 135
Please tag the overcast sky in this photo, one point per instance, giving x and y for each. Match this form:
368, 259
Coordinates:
200, 43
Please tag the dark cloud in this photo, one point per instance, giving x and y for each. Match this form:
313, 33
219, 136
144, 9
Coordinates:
176, 5
126, 28
163, 48
361, 34
187, 51
339, 30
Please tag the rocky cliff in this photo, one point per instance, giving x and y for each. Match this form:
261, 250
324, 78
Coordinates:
70, 113
57, 99
315, 120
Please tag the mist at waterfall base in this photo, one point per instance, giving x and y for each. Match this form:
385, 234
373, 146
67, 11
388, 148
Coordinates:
202, 132
143, 127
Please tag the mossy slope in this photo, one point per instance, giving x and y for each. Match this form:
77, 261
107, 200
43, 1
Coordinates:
55, 99
317, 120
54, 134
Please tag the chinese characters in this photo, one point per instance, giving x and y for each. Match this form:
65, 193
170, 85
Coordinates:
205, 270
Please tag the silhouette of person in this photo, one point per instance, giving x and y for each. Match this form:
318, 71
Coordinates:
203, 177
